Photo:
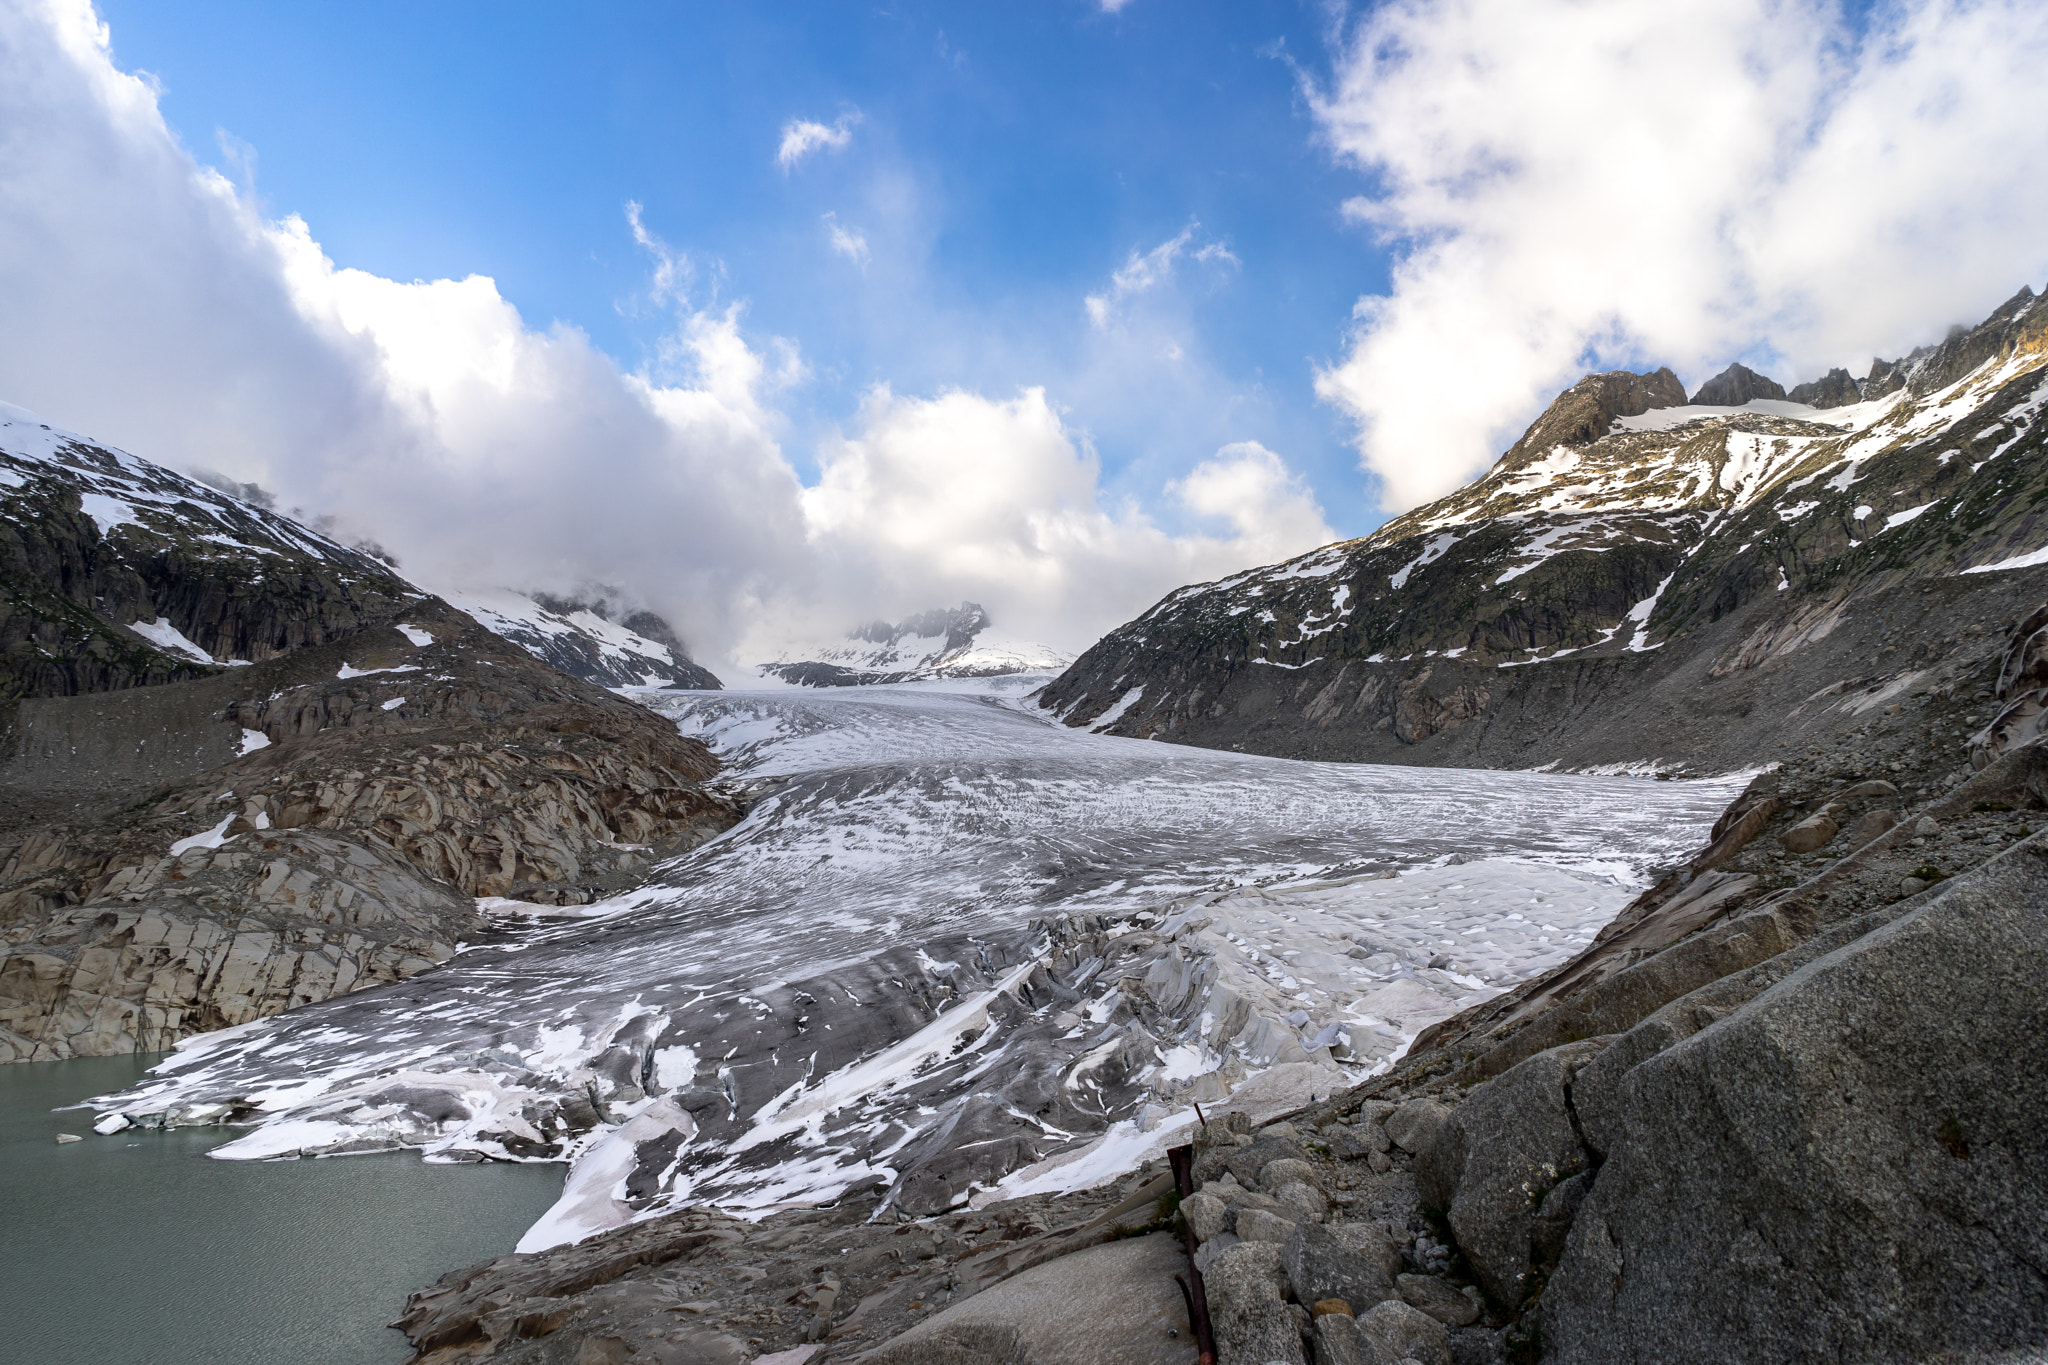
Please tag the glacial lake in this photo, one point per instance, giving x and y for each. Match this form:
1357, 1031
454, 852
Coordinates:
139, 1250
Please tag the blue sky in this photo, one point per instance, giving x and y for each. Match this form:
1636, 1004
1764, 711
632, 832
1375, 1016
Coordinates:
1006, 160
1059, 309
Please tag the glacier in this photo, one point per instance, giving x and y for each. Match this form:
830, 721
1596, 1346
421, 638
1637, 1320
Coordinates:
954, 948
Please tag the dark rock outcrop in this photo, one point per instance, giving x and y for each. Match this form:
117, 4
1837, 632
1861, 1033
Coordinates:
1735, 386
1801, 1099
1586, 411
1835, 389
565, 635
94, 542
1492, 1168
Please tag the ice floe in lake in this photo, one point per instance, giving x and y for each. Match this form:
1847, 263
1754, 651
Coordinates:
951, 946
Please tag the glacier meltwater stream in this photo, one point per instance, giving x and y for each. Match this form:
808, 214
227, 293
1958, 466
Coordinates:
892, 971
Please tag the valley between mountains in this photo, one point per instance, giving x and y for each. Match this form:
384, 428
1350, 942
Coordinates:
1599, 914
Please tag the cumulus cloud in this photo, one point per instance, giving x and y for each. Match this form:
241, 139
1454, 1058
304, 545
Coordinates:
1581, 184
848, 242
1146, 270
1000, 498
1272, 514
150, 303
801, 137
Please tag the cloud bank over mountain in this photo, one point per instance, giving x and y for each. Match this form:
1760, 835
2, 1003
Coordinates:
153, 304
1574, 185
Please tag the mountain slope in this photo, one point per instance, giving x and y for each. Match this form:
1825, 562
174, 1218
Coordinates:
116, 572
244, 768
637, 649
1636, 578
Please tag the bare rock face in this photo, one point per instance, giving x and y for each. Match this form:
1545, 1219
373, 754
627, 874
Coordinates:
1585, 412
1835, 389
2022, 691
1855, 1156
1809, 1130
389, 780
1351, 1263
1633, 577
94, 542
1398, 1332
1246, 1286
1491, 1167
218, 937
1735, 386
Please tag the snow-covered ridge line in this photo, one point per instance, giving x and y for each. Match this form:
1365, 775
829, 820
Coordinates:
954, 644
1599, 534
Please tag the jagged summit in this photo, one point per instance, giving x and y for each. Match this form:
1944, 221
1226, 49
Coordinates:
1835, 389
1735, 387
122, 573
1588, 410
943, 643
956, 626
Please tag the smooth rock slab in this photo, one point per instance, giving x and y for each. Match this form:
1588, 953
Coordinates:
1414, 1125
1257, 1225
1206, 1215
1437, 1298
1304, 1201
1252, 1321
1114, 1304
1809, 834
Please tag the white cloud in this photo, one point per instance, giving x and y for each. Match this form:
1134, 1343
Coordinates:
1272, 513
672, 269
1113, 6
1001, 500
1577, 184
801, 137
1143, 271
149, 303
848, 242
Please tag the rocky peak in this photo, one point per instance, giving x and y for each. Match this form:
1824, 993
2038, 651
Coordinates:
959, 626
943, 643
1835, 389
1586, 411
1735, 386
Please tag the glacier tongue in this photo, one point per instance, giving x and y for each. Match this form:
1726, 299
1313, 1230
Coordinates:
951, 945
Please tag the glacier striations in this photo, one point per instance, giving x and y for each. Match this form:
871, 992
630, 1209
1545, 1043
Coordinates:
951, 944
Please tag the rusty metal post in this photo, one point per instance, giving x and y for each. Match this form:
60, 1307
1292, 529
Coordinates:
1182, 1160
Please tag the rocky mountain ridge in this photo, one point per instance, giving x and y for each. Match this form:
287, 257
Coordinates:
246, 768
597, 640
942, 643
115, 572
1632, 549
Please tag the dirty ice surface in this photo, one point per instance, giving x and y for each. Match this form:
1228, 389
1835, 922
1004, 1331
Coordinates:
946, 924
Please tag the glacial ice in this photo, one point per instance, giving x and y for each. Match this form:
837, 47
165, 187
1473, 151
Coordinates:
846, 982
